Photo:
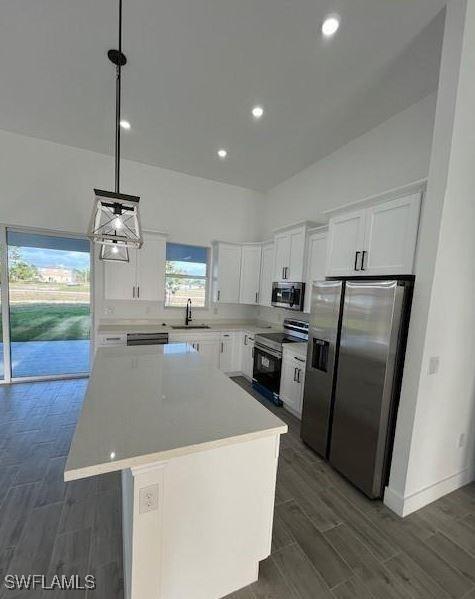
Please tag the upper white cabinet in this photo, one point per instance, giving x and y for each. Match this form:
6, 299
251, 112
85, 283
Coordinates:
379, 240
267, 271
143, 277
250, 274
289, 254
345, 243
316, 263
226, 272
391, 235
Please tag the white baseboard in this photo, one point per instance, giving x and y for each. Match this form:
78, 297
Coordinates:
405, 505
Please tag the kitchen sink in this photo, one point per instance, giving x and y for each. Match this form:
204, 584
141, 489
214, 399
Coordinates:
188, 326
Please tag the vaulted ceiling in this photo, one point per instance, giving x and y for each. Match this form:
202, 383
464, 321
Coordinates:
196, 67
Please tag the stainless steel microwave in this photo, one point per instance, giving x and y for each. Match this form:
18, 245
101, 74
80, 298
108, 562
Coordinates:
288, 295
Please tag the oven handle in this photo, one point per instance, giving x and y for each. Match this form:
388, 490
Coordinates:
266, 350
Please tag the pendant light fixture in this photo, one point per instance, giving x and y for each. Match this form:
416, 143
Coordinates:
115, 221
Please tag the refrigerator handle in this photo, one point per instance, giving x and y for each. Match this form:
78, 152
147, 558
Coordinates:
356, 260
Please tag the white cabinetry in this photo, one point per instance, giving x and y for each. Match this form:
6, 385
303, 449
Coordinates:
292, 381
289, 254
230, 352
267, 272
250, 274
247, 365
226, 272
379, 240
207, 344
391, 234
345, 243
316, 263
143, 277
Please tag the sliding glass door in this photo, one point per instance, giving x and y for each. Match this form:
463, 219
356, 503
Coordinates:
48, 310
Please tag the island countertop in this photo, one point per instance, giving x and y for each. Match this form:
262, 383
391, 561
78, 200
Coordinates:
146, 404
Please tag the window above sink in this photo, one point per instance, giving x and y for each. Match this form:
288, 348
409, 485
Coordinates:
186, 276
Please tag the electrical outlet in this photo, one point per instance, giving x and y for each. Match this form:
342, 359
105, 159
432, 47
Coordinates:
434, 365
148, 499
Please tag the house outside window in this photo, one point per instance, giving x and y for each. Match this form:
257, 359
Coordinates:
186, 275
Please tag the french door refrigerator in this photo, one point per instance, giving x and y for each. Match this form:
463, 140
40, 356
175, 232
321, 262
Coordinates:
356, 347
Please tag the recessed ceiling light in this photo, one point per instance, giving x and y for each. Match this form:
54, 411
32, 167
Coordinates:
257, 112
222, 153
330, 25
125, 124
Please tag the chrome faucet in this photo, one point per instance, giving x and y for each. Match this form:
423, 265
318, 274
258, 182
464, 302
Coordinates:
188, 318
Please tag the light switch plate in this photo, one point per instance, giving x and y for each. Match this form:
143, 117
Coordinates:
148, 499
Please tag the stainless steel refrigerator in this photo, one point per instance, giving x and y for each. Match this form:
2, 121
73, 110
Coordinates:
356, 347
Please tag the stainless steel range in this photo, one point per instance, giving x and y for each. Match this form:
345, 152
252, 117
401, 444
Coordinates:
268, 357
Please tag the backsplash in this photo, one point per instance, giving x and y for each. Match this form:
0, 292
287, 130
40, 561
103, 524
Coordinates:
277, 315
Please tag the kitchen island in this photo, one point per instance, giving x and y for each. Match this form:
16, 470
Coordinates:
198, 457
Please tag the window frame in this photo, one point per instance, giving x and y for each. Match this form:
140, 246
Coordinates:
206, 278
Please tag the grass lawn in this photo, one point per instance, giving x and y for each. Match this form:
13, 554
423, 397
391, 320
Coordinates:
49, 322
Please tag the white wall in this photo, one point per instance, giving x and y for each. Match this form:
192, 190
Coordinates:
48, 185
435, 440
393, 154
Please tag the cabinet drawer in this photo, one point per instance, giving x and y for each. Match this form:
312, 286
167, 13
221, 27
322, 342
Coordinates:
111, 339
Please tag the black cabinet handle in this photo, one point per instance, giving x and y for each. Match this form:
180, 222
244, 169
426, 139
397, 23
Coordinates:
219, 295
295, 375
356, 261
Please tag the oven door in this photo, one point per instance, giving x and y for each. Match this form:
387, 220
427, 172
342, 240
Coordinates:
288, 295
267, 367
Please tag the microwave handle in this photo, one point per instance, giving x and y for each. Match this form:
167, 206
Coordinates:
292, 297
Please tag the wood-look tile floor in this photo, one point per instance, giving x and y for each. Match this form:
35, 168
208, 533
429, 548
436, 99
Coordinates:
329, 541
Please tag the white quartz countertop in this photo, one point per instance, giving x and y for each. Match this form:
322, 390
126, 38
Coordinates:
159, 326
145, 404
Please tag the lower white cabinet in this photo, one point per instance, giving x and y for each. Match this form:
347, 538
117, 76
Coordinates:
206, 344
230, 352
247, 365
292, 381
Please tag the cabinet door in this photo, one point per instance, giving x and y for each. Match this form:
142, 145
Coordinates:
346, 235
226, 353
291, 382
151, 269
250, 274
120, 278
209, 350
229, 273
316, 264
391, 234
266, 280
248, 355
289, 388
295, 271
281, 256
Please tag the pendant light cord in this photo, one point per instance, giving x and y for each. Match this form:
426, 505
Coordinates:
117, 106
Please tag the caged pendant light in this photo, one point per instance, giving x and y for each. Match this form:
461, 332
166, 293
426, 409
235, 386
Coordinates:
115, 221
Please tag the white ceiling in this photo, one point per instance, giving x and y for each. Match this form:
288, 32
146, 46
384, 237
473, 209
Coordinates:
196, 67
